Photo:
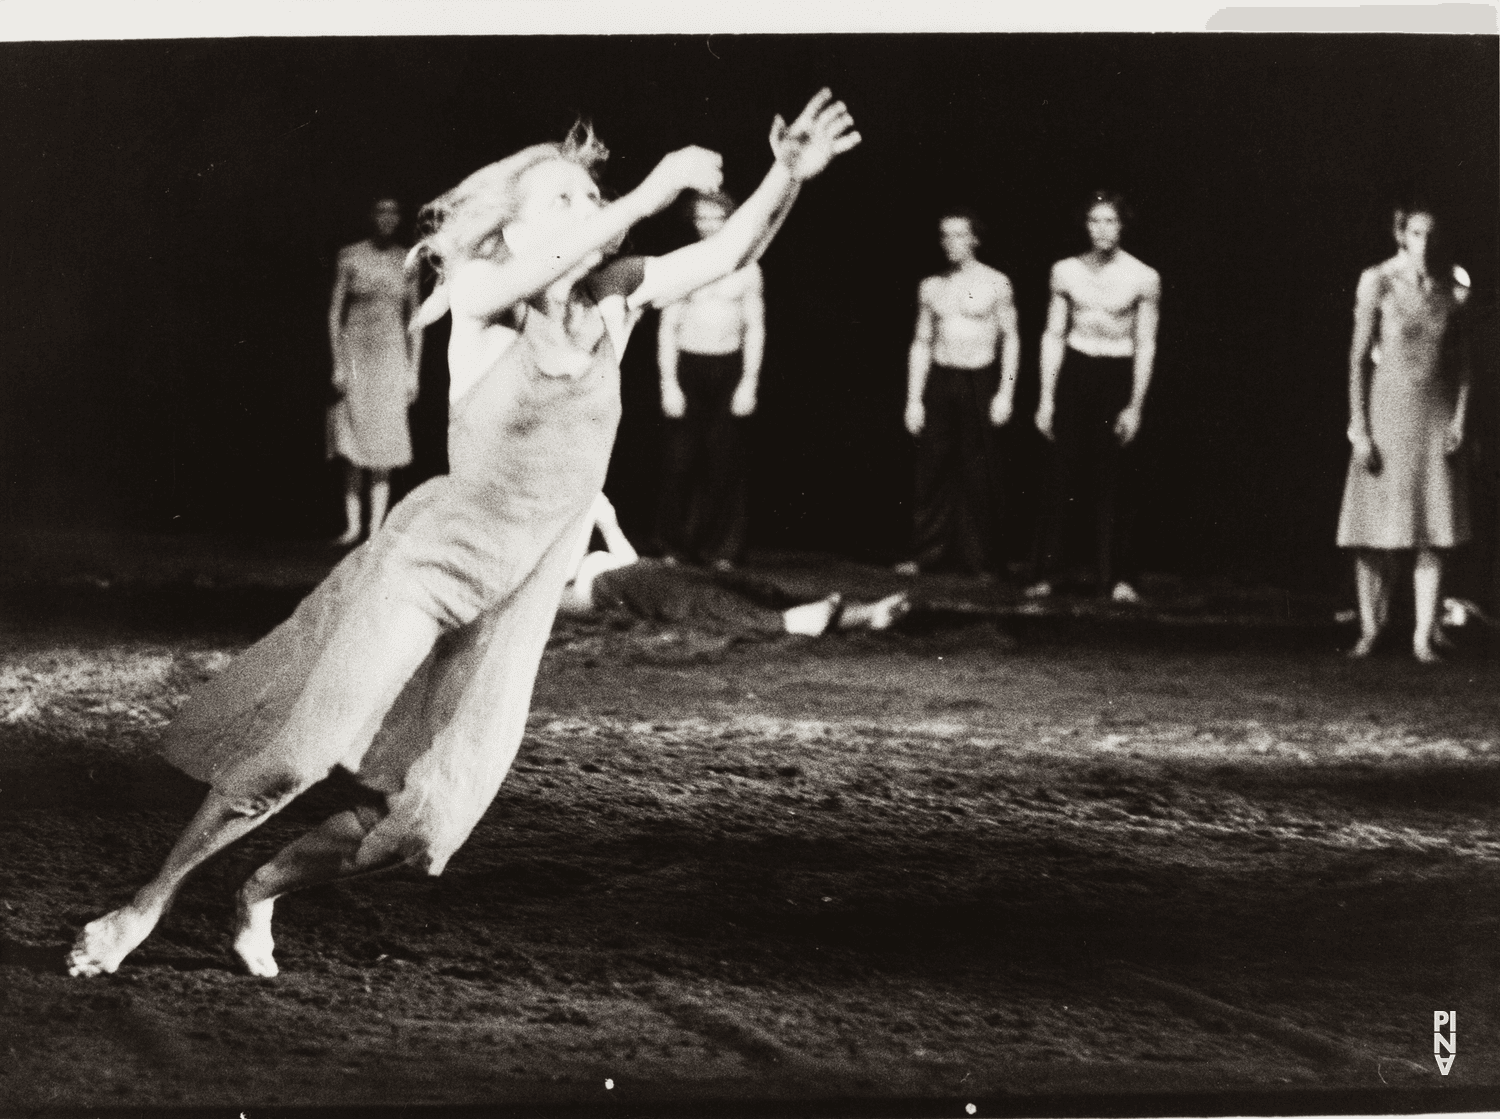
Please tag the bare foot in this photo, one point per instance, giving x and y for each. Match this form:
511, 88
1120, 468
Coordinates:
1426, 654
253, 943
813, 619
351, 534
909, 569
1364, 646
888, 611
104, 943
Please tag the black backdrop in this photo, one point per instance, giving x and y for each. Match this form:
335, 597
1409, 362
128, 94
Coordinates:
169, 213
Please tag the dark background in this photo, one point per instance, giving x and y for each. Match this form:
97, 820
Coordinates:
171, 210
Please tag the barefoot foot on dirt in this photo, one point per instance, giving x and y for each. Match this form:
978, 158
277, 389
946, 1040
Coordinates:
813, 619
253, 943
104, 943
1363, 647
888, 611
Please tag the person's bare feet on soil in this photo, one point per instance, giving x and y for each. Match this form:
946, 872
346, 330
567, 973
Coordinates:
253, 942
813, 619
105, 942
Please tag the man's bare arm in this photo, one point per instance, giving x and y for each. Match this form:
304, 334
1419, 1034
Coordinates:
673, 404
1010, 356
753, 345
919, 364
1147, 312
1054, 342
1147, 316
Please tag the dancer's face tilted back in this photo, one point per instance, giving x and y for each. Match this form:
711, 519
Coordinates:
555, 197
385, 216
959, 240
1104, 227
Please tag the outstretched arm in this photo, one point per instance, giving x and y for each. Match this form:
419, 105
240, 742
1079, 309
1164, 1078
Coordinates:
803, 149
483, 289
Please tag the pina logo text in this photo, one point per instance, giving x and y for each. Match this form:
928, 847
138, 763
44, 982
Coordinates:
1444, 1042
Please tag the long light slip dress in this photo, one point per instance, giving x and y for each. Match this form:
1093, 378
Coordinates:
485, 551
368, 424
1419, 497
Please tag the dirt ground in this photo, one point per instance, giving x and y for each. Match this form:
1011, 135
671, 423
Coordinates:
1000, 858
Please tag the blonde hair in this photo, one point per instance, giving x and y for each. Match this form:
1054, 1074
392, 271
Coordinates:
468, 221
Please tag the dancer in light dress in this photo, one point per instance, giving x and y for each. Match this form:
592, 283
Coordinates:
376, 362
412, 665
1409, 372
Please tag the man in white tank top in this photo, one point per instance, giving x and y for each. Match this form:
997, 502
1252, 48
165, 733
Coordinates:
1097, 358
955, 398
709, 349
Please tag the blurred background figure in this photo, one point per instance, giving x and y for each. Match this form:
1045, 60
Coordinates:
376, 362
1097, 356
709, 351
1409, 373
616, 577
955, 398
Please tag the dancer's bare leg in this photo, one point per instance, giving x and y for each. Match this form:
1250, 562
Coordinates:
877, 616
353, 512
380, 498
1373, 586
404, 634
1427, 580
329, 852
219, 822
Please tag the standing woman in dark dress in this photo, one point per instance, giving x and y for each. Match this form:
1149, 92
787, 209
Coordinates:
1407, 487
375, 366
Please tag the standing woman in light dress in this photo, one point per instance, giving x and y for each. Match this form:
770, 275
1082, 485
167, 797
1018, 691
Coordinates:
376, 362
1407, 486
411, 666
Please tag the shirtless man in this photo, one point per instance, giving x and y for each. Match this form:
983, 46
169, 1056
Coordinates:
966, 317
1097, 355
709, 349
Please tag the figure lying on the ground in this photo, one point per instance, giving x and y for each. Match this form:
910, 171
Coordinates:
615, 576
